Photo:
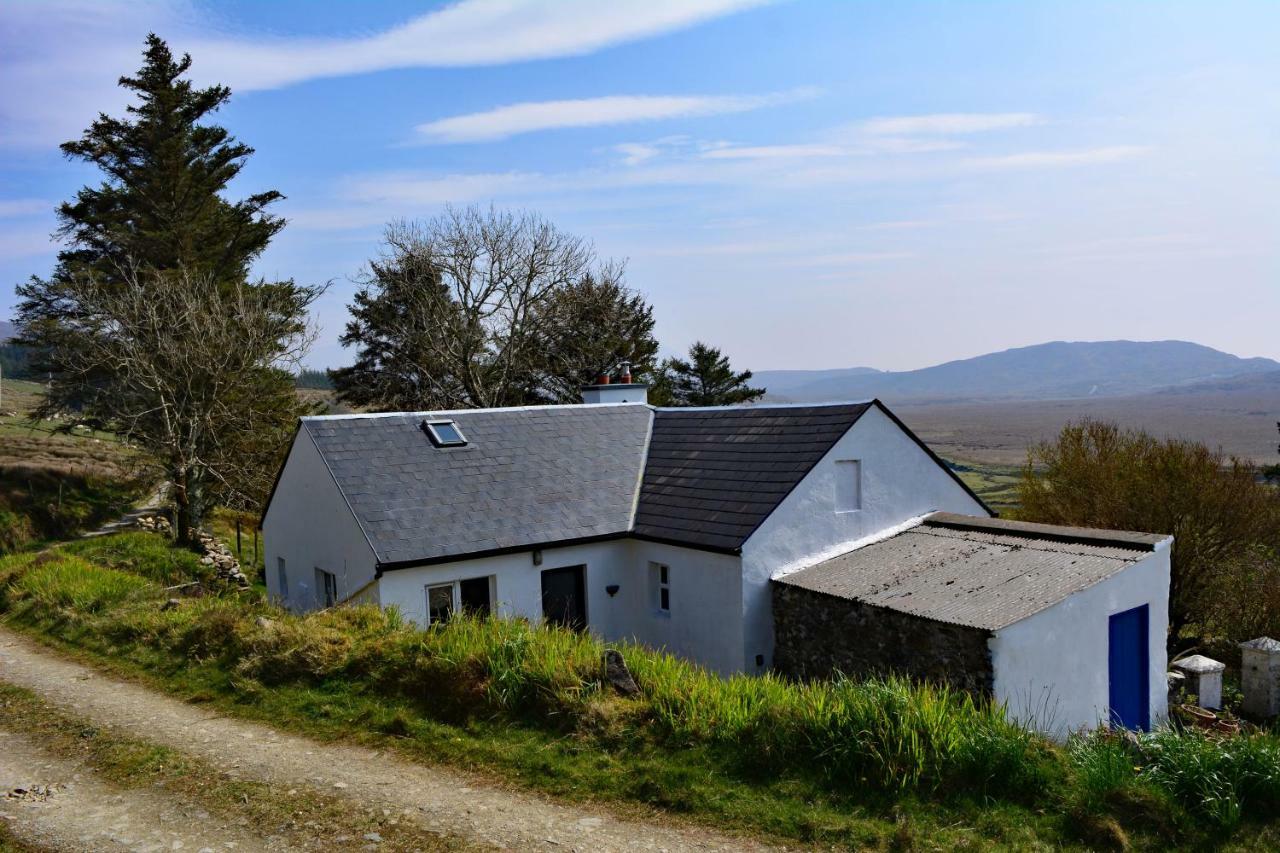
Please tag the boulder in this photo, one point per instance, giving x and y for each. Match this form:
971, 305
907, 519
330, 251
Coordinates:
617, 674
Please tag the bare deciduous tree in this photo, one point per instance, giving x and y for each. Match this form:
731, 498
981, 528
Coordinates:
188, 370
473, 309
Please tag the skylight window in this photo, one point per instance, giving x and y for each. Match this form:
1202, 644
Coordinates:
444, 433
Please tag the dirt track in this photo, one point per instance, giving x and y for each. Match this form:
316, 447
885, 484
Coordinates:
439, 799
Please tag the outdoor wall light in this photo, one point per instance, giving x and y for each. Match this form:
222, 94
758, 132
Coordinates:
612, 589
537, 556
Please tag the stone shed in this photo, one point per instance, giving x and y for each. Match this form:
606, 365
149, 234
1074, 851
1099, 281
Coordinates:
1064, 626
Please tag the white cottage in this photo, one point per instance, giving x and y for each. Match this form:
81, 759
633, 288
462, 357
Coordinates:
711, 532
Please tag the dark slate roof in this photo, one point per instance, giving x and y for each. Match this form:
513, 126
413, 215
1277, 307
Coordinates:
526, 477
713, 475
978, 572
555, 474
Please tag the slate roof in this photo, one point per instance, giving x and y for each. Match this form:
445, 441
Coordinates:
703, 478
714, 474
981, 573
526, 477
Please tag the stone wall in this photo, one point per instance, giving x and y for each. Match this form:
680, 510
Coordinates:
817, 635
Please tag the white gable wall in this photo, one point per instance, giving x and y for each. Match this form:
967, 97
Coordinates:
704, 624
899, 481
309, 524
1051, 668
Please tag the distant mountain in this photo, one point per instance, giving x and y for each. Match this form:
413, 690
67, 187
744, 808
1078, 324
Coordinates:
8, 330
782, 382
1248, 383
1052, 371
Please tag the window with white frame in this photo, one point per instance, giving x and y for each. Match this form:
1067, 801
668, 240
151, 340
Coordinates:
470, 595
326, 588
282, 579
660, 584
848, 485
441, 603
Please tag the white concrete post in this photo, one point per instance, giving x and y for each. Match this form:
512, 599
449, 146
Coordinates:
1260, 676
1204, 678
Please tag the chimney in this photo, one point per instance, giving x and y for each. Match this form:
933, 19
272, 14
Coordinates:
624, 391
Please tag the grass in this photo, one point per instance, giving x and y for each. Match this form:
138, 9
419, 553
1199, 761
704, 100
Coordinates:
310, 817
53, 484
855, 764
997, 485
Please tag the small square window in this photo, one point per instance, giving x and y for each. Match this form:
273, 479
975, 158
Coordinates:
444, 433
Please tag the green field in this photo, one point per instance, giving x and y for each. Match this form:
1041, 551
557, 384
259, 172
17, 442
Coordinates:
997, 485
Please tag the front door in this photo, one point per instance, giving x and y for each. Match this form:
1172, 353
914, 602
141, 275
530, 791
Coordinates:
564, 600
1128, 669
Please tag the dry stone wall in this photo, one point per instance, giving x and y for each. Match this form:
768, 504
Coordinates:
818, 635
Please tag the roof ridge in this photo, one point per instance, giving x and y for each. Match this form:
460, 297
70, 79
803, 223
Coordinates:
1130, 539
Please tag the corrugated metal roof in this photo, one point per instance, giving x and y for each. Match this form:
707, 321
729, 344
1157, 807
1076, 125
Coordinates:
982, 578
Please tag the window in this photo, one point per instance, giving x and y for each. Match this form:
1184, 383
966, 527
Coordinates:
660, 578
439, 603
444, 433
282, 579
326, 587
472, 595
848, 485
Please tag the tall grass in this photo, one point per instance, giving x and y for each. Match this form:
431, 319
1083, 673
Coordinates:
77, 585
887, 735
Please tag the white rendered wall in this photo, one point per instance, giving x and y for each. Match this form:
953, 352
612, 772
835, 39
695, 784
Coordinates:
899, 481
1051, 669
704, 624
310, 525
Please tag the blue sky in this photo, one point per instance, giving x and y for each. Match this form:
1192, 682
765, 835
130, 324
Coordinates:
803, 183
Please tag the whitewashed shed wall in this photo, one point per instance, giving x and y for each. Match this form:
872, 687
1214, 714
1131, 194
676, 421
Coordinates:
1051, 669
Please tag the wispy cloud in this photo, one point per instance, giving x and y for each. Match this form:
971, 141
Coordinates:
59, 59
1056, 159
775, 152
471, 32
946, 124
513, 119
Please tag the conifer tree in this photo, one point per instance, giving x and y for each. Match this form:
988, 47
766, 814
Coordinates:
160, 206
706, 379
158, 227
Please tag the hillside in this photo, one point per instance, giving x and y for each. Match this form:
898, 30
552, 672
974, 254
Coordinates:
1051, 371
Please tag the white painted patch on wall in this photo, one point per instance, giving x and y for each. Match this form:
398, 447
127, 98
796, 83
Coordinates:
846, 547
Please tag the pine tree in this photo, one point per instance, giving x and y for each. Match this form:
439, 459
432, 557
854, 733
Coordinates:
706, 379
160, 206
159, 226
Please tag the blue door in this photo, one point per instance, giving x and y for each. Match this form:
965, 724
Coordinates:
1128, 669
